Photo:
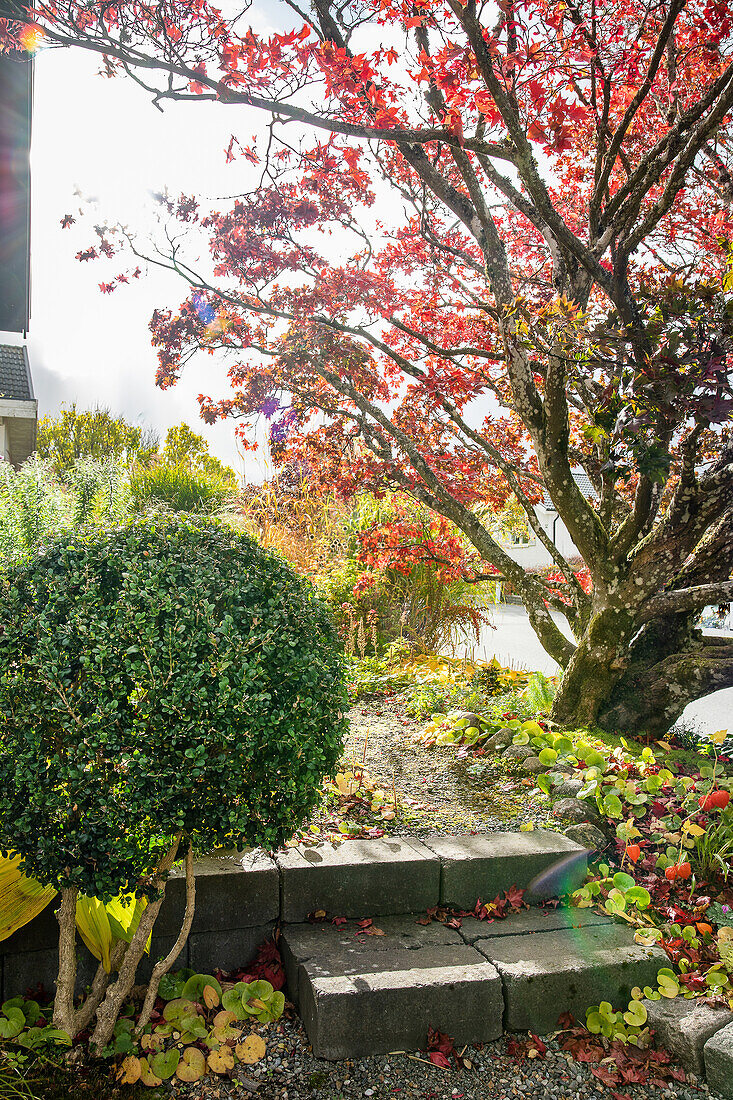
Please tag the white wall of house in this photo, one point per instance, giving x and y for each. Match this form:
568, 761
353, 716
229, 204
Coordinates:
4, 444
532, 554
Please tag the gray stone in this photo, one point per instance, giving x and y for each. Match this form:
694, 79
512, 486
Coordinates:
531, 921
567, 971
683, 1027
359, 878
500, 739
518, 752
232, 891
389, 1002
484, 866
301, 942
568, 788
587, 835
576, 811
26, 969
228, 949
39, 934
534, 765
159, 948
718, 1053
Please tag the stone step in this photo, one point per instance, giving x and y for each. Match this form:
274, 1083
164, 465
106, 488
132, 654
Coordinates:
567, 970
483, 866
369, 878
355, 1004
361, 994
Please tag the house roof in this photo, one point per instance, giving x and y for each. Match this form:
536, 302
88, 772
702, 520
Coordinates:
583, 482
15, 373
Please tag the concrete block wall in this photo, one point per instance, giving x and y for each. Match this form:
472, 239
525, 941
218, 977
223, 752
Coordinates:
239, 899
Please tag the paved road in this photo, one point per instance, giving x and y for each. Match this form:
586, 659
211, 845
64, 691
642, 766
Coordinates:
513, 642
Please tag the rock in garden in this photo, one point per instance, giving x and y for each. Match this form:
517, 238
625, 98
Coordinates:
534, 765
576, 811
568, 788
518, 752
500, 739
587, 835
683, 1028
470, 717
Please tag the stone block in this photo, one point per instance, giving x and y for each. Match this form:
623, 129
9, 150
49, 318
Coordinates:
24, 970
301, 942
159, 948
530, 922
683, 1027
42, 933
232, 891
718, 1055
567, 971
483, 866
359, 878
229, 949
389, 1002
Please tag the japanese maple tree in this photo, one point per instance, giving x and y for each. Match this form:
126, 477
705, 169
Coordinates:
486, 245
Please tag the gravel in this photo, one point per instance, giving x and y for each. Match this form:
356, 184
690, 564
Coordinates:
448, 798
290, 1072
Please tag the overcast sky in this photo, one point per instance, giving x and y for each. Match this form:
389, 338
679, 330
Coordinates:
106, 138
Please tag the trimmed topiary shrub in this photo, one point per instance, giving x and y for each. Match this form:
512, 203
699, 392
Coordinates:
165, 684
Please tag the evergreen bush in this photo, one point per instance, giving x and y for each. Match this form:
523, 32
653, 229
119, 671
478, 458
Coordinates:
163, 684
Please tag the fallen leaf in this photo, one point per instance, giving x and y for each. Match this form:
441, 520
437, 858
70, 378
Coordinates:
221, 1060
251, 1050
129, 1071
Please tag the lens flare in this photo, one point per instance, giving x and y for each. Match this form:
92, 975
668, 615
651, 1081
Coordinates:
31, 37
561, 878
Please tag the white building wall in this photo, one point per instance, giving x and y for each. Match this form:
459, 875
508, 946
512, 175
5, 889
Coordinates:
4, 441
534, 555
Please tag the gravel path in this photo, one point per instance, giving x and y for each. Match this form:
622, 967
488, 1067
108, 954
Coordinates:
290, 1072
435, 791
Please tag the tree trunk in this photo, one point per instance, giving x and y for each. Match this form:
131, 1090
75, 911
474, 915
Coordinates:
642, 686
652, 695
63, 1005
117, 993
595, 667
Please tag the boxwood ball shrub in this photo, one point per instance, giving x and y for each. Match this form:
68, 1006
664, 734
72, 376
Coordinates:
163, 684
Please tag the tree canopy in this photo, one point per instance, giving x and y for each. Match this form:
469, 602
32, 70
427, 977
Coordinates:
485, 245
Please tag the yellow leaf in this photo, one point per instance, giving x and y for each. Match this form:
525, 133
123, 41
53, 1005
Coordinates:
192, 1065
21, 898
93, 924
221, 1060
251, 1050
719, 737
211, 997
147, 1076
693, 829
129, 1071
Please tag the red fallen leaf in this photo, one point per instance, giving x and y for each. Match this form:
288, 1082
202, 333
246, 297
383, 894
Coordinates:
366, 923
608, 1076
67, 220
535, 1043
620, 1096
454, 922
423, 920
374, 932
338, 921
514, 896
439, 1059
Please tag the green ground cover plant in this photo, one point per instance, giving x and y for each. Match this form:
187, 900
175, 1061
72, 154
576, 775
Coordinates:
162, 684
